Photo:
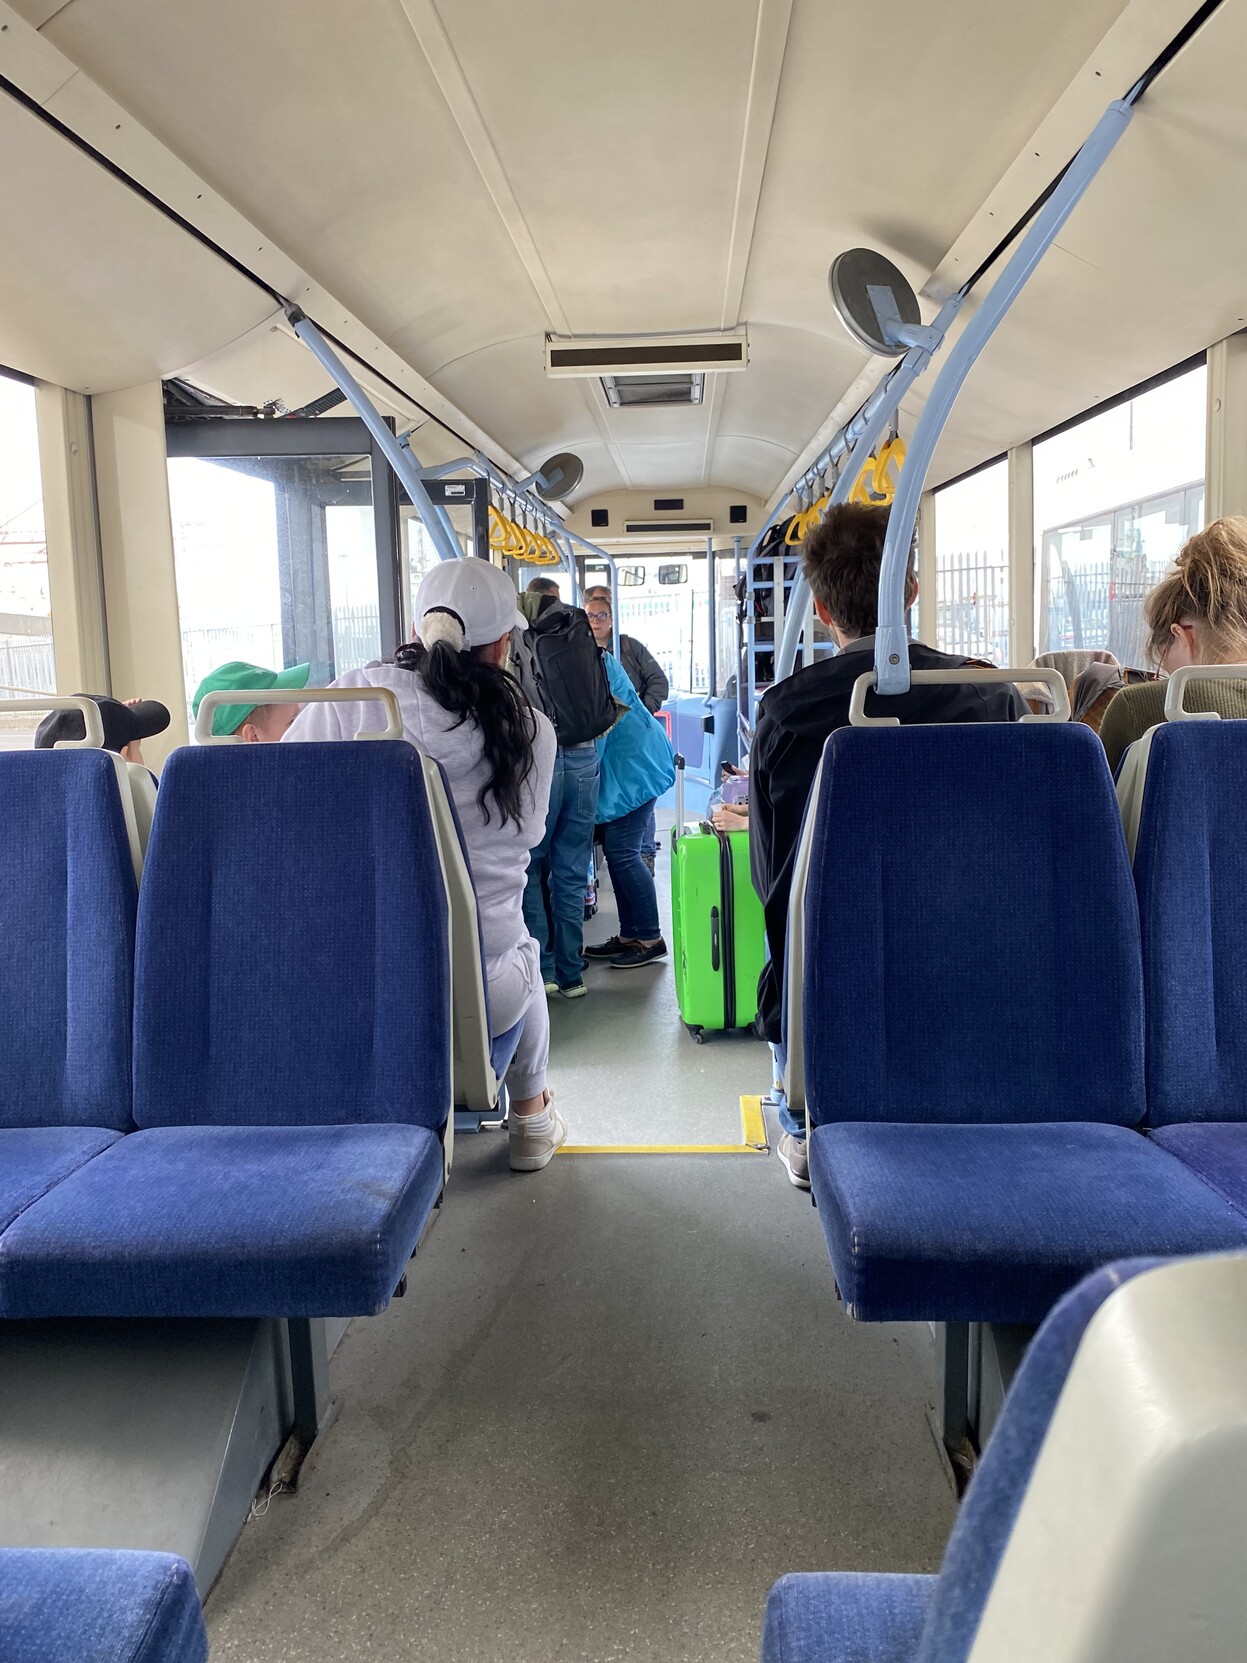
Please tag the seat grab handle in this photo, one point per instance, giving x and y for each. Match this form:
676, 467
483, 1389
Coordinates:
1180, 680
386, 696
94, 740
950, 678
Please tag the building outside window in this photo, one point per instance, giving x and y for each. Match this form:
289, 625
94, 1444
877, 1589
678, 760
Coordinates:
1116, 496
27, 658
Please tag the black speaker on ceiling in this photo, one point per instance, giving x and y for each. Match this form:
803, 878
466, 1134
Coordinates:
599, 516
738, 513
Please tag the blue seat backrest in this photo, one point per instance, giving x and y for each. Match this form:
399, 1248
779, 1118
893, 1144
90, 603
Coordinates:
293, 954
1190, 869
994, 1498
67, 905
972, 939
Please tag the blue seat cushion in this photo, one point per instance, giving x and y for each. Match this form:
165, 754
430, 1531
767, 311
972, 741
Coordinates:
845, 1618
502, 1048
61, 1605
227, 1221
1217, 1153
995, 1223
34, 1158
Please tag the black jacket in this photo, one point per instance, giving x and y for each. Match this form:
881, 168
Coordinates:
794, 721
644, 672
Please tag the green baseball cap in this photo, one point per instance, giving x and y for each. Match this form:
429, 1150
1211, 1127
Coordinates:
247, 678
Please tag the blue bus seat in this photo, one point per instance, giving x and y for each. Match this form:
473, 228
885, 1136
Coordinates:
829, 1618
1190, 872
67, 907
63, 1605
972, 1022
292, 1053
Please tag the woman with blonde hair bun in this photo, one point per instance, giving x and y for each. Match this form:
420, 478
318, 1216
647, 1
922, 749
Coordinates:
1196, 614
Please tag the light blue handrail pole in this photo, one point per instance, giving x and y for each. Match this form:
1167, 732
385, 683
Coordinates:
401, 459
860, 435
891, 643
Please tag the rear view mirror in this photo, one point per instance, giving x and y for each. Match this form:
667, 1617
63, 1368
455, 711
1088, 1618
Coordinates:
631, 577
673, 574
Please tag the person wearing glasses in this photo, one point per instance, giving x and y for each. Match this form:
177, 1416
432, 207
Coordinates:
643, 671
1196, 614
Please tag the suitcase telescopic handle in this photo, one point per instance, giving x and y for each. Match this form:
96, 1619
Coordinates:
677, 831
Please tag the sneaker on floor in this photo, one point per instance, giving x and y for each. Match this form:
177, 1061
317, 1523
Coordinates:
576, 991
530, 1153
608, 949
791, 1152
636, 953
551, 985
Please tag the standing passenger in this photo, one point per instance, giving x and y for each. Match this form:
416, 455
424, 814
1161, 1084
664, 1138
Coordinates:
637, 768
558, 870
644, 672
460, 707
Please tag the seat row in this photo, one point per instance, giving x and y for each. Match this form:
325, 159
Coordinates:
229, 1094
993, 1008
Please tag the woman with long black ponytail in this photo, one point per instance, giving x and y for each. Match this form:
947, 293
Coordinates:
460, 706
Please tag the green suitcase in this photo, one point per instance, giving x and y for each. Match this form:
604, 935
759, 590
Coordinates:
718, 938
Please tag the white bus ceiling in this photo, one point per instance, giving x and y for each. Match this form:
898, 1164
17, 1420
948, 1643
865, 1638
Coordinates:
441, 188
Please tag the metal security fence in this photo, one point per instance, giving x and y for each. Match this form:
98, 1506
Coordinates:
1101, 606
972, 605
356, 641
27, 665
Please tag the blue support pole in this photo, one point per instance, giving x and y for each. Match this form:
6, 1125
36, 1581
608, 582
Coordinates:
859, 437
891, 642
401, 458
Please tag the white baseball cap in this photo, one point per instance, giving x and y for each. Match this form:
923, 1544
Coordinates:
478, 593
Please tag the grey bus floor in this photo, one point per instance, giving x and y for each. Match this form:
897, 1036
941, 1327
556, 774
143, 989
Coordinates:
618, 1400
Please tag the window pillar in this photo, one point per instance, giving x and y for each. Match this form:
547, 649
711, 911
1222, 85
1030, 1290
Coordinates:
1021, 555
136, 540
75, 576
1225, 468
926, 569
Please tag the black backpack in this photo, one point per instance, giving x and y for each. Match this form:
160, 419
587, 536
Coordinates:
562, 672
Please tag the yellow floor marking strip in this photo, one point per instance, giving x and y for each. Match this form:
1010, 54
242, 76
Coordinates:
753, 1140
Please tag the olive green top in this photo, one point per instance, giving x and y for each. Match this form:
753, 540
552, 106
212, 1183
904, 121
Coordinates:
1136, 709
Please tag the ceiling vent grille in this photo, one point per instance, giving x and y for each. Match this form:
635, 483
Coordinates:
614, 355
625, 391
668, 528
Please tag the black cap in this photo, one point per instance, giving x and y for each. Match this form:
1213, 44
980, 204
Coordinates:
123, 723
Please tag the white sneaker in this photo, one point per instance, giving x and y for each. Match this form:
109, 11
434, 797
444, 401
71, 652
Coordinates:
530, 1154
551, 986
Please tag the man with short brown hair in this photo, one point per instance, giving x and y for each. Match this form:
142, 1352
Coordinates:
841, 557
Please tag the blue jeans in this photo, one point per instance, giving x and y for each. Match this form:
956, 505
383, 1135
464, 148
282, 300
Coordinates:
649, 842
633, 882
563, 857
788, 1121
